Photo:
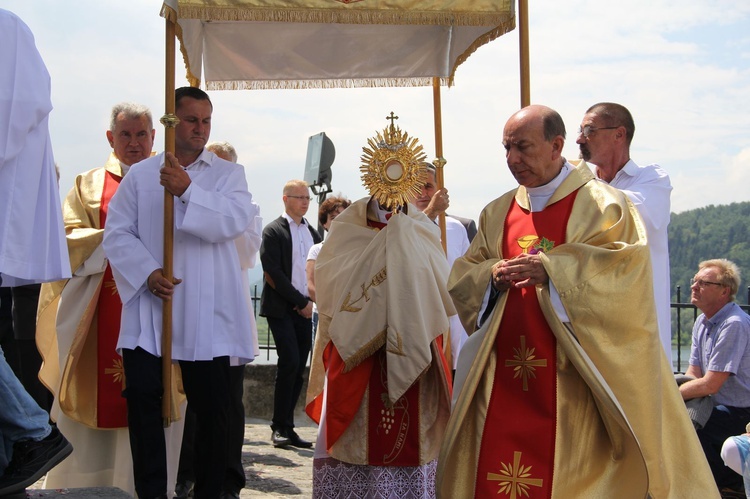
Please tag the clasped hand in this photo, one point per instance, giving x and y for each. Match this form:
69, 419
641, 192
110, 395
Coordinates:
519, 272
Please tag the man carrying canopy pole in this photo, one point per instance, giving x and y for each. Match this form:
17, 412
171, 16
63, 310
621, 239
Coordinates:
211, 320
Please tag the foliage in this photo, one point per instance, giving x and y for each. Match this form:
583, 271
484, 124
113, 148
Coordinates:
701, 234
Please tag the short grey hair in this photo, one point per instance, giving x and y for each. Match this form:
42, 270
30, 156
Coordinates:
223, 150
131, 111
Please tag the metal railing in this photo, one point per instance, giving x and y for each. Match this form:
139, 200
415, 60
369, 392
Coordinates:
683, 337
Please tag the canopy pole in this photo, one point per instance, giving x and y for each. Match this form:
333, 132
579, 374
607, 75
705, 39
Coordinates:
523, 50
169, 120
439, 161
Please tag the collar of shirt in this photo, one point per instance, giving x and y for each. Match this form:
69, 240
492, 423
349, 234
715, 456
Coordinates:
629, 169
202, 162
291, 220
720, 316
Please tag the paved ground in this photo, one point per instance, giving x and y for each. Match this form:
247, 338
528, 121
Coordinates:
270, 472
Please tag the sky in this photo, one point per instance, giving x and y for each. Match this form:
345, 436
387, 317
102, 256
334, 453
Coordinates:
682, 67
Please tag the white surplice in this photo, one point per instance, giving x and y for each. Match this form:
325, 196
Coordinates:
649, 188
210, 314
32, 238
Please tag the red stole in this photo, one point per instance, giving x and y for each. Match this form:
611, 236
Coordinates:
111, 410
517, 455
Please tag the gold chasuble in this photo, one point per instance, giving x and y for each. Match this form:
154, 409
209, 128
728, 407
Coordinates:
79, 319
518, 452
582, 409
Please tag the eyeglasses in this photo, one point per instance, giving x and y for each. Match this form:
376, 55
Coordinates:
300, 197
588, 129
702, 284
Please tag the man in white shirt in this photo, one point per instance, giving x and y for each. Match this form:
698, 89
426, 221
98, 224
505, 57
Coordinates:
211, 322
604, 139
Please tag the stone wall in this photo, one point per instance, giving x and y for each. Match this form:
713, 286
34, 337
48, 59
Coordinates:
258, 396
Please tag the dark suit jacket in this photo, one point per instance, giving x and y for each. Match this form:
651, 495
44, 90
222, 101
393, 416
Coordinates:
471, 226
279, 297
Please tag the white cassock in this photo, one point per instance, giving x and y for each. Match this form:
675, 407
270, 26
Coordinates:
210, 315
32, 237
649, 188
457, 242
248, 245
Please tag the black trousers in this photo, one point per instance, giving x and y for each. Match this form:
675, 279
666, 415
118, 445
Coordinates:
293, 337
234, 476
18, 339
206, 385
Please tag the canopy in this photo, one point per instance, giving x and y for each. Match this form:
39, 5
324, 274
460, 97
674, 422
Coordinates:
243, 44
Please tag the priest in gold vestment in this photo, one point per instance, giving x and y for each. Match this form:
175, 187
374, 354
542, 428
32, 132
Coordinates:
563, 390
79, 322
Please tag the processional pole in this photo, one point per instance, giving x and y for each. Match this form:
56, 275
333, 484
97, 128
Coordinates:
169, 120
523, 51
439, 161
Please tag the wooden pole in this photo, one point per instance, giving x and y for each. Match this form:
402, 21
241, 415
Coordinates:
169, 121
523, 50
440, 180
439, 160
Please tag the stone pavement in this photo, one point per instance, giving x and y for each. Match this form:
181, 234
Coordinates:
271, 473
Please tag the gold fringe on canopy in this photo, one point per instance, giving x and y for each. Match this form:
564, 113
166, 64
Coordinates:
443, 13
333, 83
497, 16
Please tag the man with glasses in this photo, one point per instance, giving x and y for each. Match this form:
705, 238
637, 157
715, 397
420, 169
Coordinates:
604, 139
287, 306
720, 362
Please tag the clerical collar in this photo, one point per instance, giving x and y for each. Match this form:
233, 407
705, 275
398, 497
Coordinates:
551, 186
125, 168
539, 196
376, 212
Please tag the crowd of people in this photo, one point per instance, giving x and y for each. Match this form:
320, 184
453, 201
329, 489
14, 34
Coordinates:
526, 355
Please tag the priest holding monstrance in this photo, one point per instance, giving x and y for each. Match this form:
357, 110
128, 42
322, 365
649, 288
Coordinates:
379, 383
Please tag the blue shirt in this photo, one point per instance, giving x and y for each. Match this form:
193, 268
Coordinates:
722, 344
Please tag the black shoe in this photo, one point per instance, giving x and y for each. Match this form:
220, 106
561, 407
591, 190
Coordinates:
184, 489
229, 495
279, 439
31, 460
296, 441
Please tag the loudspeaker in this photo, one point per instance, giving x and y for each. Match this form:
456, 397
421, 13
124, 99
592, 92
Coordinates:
320, 157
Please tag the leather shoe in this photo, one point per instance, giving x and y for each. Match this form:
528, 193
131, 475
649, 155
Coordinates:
279, 439
296, 441
229, 495
184, 489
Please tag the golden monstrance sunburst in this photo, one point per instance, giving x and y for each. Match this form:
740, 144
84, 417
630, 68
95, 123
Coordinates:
392, 166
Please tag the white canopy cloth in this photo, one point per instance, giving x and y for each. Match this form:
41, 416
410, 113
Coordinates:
332, 43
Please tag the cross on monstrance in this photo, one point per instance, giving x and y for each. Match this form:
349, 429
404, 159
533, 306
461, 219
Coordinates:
393, 118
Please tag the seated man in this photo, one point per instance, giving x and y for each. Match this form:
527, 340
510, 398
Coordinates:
718, 359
